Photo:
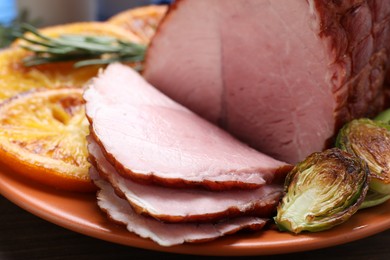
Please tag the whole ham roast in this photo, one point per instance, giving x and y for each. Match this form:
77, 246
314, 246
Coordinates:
282, 76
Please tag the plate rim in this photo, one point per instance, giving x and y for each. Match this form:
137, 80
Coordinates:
20, 191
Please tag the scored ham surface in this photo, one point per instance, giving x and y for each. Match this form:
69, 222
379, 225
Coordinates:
164, 234
187, 205
282, 76
148, 137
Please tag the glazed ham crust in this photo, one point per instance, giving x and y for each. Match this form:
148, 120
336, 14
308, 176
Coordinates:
358, 34
149, 138
283, 76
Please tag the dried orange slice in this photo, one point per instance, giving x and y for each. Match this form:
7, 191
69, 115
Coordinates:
142, 21
16, 78
43, 136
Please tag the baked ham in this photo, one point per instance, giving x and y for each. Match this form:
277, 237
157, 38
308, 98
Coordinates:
186, 205
150, 138
282, 76
164, 234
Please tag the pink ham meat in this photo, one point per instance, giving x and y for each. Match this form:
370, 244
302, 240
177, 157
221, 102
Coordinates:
187, 205
282, 76
148, 137
121, 212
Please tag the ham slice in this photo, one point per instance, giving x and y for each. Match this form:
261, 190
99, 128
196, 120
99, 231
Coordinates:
283, 76
164, 234
148, 137
187, 205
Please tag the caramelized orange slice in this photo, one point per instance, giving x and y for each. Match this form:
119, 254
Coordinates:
43, 136
142, 21
16, 78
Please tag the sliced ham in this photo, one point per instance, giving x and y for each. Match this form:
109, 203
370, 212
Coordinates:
282, 76
187, 205
164, 234
148, 137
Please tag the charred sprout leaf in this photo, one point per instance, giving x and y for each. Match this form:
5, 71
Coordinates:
369, 140
322, 191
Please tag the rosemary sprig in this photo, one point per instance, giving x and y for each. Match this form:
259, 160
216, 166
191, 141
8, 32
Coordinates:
7, 31
86, 50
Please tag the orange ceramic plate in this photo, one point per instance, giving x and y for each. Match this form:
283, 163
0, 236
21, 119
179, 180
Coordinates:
78, 212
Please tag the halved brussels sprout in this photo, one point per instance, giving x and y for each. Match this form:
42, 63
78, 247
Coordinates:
369, 140
322, 191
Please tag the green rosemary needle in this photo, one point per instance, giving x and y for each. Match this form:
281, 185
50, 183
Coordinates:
86, 50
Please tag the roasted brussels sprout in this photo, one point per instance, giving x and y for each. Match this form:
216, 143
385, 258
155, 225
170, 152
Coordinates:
322, 191
369, 140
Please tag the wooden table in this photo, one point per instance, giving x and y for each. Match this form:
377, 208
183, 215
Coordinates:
25, 236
